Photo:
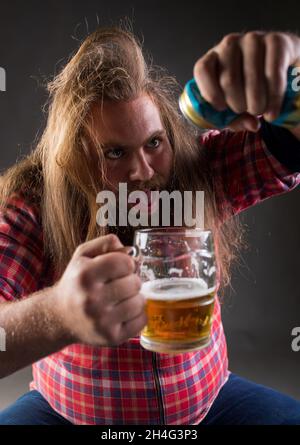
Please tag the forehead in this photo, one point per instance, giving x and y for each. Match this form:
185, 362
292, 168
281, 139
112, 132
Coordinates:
128, 121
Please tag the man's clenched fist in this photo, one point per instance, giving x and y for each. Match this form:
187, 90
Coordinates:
248, 73
99, 295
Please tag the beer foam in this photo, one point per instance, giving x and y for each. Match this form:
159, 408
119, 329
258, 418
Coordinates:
175, 289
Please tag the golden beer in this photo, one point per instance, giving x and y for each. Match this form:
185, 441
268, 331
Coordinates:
179, 312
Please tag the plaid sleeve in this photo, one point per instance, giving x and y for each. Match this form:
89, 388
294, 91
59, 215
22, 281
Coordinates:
21, 250
245, 172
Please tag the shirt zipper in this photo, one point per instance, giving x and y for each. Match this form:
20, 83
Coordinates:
158, 390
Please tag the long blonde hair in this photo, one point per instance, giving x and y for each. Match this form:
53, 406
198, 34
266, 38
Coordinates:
63, 175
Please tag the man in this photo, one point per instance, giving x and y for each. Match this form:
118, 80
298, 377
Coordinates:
70, 301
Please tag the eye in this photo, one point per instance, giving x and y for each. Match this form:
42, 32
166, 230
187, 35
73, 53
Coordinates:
114, 153
154, 143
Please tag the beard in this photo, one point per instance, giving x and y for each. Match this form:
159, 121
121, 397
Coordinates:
126, 234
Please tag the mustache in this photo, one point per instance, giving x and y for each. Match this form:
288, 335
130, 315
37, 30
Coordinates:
153, 184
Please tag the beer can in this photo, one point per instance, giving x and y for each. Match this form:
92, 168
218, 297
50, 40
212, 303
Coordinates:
201, 113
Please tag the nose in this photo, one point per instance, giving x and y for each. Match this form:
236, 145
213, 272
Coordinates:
139, 168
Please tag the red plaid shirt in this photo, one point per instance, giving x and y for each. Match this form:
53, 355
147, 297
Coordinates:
127, 384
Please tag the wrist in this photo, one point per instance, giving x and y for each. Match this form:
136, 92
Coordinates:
61, 314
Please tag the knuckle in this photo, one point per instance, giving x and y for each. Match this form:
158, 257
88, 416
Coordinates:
81, 263
275, 38
205, 61
128, 263
79, 250
109, 242
129, 288
111, 237
113, 335
231, 39
136, 282
229, 80
252, 37
120, 261
200, 66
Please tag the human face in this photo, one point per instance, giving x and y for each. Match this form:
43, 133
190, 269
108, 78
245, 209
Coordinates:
135, 144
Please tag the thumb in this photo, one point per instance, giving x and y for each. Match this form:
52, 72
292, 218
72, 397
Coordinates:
245, 122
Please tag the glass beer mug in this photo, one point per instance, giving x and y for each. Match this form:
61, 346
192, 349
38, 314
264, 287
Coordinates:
178, 272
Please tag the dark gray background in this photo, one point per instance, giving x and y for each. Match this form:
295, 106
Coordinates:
36, 38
